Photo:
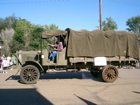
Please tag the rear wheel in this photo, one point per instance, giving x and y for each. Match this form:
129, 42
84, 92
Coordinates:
29, 74
109, 73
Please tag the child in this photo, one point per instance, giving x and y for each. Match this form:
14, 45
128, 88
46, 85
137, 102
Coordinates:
5, 64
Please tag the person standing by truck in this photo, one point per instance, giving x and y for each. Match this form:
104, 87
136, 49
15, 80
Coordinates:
59, 48
5, 64
13, 58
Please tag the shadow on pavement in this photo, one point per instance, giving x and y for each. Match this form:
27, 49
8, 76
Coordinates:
86, 101
136, 92
13, 77
22, 97
63, 75
70, 75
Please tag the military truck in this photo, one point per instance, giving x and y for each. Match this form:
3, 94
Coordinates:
99, 52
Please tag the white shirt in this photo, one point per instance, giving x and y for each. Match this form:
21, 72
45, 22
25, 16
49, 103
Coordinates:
5, 63
9, 58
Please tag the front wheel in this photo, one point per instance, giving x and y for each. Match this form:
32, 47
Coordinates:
109, 73
29, 74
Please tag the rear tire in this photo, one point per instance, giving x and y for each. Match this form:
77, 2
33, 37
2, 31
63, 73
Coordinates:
29, 74
110, 73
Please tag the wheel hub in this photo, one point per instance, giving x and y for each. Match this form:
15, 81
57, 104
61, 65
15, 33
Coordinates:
111, 73
29, 74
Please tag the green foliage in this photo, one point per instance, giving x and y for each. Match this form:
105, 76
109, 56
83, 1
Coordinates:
2, 24
35, 41
26, 36
22, 34
9, 22
7, 26
18, 41
109, 24
134, 25
49, 29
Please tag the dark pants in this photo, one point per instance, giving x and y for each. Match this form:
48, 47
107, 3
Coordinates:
4, 68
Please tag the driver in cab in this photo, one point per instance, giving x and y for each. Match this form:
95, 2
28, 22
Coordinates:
58, 48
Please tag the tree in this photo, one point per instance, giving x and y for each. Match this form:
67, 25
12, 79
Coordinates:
27, 36
35, 41
50, 28
7, 31
19, 34
6, 36
109, 24
2, 24
9, 22
18, 41
134, 25
22, 36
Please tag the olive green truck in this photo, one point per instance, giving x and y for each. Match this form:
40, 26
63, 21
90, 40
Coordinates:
100, 52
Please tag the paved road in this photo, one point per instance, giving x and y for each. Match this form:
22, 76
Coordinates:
71, 88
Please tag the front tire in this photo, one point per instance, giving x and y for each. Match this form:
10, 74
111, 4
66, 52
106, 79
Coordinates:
29, 74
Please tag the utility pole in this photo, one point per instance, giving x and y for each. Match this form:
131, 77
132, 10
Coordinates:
100, 13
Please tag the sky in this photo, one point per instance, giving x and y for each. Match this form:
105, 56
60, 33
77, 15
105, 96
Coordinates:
74, 14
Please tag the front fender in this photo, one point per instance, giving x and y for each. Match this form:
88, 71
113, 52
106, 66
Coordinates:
40, 68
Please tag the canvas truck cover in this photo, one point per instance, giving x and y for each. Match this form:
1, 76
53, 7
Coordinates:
55, 33
99, 43
102, 43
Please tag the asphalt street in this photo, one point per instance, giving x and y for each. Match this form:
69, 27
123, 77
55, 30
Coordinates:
71, 88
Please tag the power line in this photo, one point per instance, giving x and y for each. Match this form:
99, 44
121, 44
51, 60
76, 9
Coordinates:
29, 2
127, 3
